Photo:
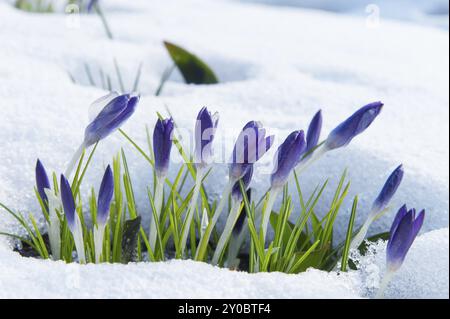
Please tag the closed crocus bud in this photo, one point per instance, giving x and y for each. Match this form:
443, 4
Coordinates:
115, 112
236, 193
403, 232
287, 157
68, 203
250, 146
353, 126
162, 144
205, 129
389, 189
314, 129
42, 182
105, 195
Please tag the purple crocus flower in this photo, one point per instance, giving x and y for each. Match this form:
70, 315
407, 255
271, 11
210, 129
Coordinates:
353, 126
42, 182
68, 203
162, 144
402, 234
314, 129
205, 129
250, 146
287, 157
389, 189
111, 117
236, 193
105, 195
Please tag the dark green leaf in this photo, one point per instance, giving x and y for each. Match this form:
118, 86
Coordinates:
191, 67
129, 239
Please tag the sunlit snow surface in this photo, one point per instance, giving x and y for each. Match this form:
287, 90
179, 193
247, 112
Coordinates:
277, 65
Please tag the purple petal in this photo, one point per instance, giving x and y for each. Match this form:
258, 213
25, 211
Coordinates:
389, 189
162, 145
113, 115
287, 157
68, 202
105, 195
42, 182
343, 134
314, 129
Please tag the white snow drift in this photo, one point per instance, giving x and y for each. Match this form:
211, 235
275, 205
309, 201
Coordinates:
276, 65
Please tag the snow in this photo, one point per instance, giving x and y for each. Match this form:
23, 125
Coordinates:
427, 12
277, 65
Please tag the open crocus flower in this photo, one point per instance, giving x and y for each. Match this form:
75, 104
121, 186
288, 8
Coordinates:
251, 144
205, 129
73, 220
115, 110
380, 204
403, 232
105, 195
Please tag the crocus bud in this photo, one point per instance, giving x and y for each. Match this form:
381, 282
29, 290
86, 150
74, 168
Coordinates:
403, 233
110, 118
68, 203
250, 146
105, 195
287, 157
353, 126
162, 144
389, 189
205, 129
314, 129
42, 182
236, 193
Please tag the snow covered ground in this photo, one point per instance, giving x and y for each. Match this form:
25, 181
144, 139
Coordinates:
277, 65
427, 12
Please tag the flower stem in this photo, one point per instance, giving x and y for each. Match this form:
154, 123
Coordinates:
78, 239
99, 232
158, 206
74, 161
271, 197
190, 212
231, 221
384, 283
201, 250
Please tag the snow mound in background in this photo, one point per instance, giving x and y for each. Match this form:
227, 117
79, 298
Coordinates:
429, 12
278, 66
